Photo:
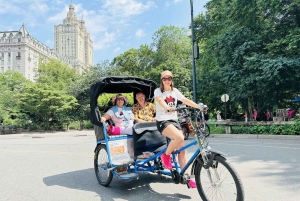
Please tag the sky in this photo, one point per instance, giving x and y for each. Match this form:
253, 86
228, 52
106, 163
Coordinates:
115, 26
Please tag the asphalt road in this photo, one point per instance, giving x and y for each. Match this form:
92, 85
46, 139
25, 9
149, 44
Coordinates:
59, 166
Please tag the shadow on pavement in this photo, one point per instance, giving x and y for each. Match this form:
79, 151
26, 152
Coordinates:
135, 190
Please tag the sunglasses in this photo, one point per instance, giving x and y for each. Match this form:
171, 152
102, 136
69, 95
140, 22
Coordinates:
167, 79
120, 98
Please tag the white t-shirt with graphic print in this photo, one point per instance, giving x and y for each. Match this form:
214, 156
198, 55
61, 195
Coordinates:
170, 97
121, 122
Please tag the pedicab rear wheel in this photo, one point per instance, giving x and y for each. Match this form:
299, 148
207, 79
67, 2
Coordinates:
101, 165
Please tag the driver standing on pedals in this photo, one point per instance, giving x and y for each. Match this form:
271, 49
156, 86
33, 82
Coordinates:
166, 97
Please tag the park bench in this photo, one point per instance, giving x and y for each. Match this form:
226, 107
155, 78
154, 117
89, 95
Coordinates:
281, 114
8, 129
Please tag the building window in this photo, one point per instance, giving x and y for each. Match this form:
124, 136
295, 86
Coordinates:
9, 54
18, 57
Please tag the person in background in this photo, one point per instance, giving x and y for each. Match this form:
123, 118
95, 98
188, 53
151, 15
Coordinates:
143, 111
219, 118
291, 114
246, 116
166, 97
121, 115
206, 116
268, 115
254, 114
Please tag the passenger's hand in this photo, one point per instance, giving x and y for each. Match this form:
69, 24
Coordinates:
103, 119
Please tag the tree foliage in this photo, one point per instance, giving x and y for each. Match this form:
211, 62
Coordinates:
56, 73
11, 85
46, 105
252, 49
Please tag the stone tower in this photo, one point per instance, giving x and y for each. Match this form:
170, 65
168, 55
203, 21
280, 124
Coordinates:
73, 42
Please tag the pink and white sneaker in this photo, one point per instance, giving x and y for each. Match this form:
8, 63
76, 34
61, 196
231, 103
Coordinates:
166, 161
191, 184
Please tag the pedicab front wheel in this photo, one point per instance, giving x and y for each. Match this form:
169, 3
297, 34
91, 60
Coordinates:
219, 182
104, 176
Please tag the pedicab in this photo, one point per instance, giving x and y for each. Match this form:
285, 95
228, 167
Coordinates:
124, 157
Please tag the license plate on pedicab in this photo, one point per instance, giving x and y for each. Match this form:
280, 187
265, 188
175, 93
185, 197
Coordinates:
121, 151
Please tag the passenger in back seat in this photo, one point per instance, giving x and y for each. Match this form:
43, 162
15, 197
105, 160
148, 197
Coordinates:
121, 115
143, 111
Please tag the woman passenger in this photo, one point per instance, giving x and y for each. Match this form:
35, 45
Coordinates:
121, 115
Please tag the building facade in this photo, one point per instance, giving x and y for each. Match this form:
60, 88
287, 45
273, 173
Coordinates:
72, 41
21, 52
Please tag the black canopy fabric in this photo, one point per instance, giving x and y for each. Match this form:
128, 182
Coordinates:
118, 84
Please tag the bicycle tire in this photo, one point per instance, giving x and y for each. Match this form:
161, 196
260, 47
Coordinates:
205, 132
233, 187
185, 132
104, 177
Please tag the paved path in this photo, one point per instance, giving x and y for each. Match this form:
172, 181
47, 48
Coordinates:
59, 166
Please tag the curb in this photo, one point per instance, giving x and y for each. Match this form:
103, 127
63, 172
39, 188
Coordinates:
73, 133
257, 136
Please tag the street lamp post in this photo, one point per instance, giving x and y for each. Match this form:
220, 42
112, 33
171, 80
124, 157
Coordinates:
193, 53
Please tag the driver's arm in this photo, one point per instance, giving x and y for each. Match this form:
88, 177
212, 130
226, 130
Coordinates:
190, 103
161, 101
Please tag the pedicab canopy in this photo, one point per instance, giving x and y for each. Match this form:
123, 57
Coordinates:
118, 84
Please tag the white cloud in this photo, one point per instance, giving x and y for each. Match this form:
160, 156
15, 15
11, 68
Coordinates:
57, 2
38, 7
58, 17
139, 33
126, 8
117, 49
167, 4
176, 1
105, 41
9, 8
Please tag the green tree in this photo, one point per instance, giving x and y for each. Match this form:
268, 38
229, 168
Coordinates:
45, 105
11, 85
252, 47
172, 47
56, 73
135, 62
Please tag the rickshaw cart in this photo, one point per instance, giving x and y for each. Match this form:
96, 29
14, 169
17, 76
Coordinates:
119, 156
115, 154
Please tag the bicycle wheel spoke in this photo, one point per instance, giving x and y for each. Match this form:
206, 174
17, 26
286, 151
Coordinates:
219, 182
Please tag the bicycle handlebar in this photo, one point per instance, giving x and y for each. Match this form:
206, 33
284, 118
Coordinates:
204, 107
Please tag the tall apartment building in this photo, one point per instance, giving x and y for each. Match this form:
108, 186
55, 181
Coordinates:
71, 40
19, 51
